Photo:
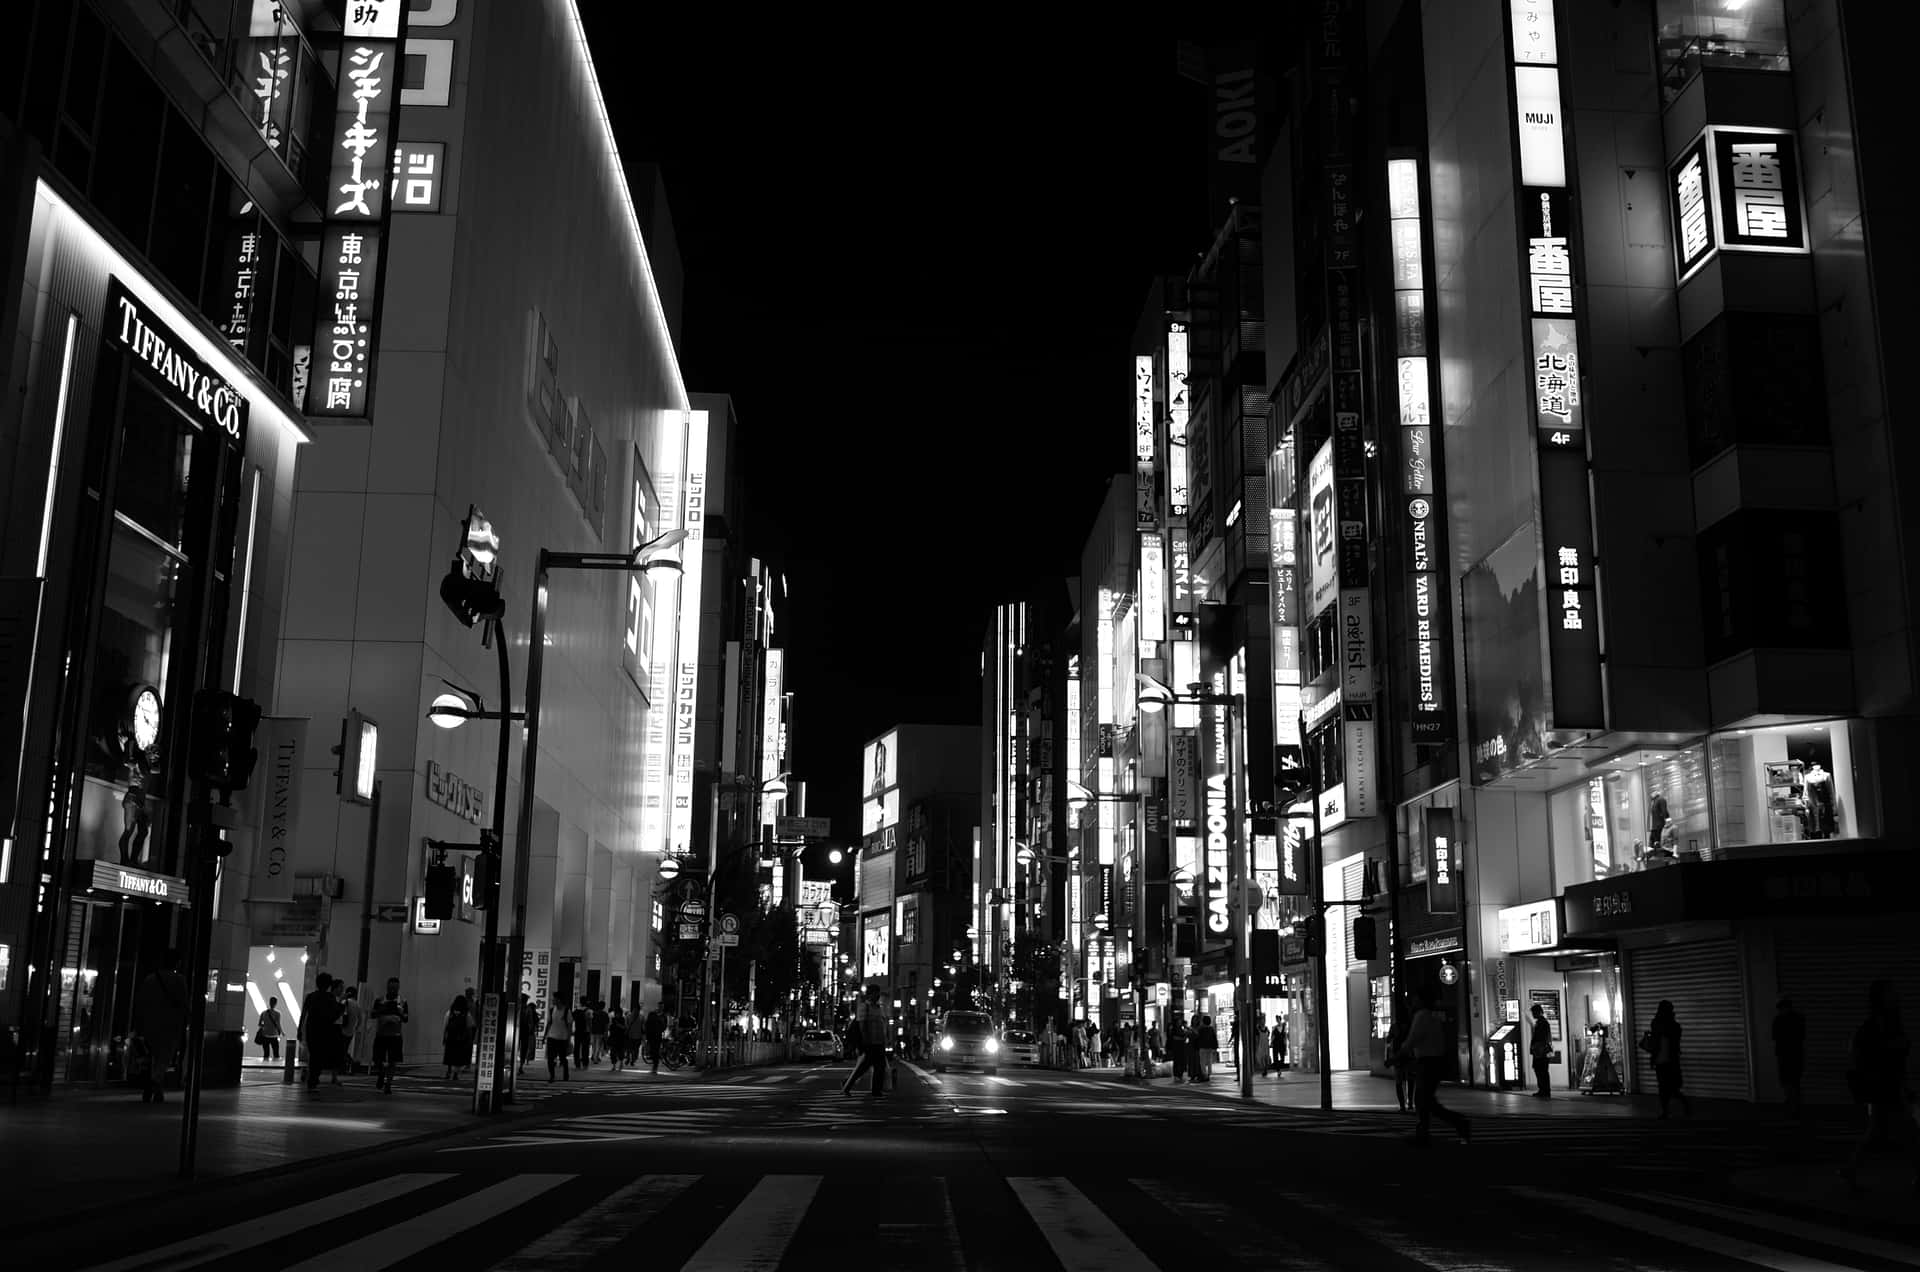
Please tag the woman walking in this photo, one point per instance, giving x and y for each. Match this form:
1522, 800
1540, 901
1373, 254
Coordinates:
617, 1038
456, 1036
559, 1040
1662, 1045
1878, 1079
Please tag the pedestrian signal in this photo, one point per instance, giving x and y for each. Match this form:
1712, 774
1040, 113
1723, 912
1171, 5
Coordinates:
443, 886
1315, 931
1366, 944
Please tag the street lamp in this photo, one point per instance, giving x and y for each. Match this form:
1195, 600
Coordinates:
644, 558
1153, 696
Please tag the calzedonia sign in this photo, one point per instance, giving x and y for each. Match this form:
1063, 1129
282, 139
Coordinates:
184, 378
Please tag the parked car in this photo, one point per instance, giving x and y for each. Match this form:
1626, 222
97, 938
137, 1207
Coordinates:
817, 1044
968, 1039
1020, 1046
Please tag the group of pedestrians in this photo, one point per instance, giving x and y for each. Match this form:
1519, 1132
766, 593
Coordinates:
869, 1035
590, 1034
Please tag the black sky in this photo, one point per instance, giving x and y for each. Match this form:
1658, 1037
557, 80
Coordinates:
916, 266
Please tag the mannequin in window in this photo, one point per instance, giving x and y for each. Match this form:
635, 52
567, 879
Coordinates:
1657, 818
1818, 787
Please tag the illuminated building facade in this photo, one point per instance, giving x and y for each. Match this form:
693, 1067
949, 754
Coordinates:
526, 366
160, 300
1633, 699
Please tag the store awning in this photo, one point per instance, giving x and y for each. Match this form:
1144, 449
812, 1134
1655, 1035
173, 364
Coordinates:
1798, 886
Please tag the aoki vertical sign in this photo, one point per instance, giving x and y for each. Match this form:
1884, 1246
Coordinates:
686, 685
1550, 252
352, 236
1429, 714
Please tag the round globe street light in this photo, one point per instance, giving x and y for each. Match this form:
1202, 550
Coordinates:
835, 856
450, 710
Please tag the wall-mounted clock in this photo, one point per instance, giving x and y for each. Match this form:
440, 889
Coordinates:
143, 715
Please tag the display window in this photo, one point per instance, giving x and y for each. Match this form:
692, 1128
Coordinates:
1785, 784
1640, 809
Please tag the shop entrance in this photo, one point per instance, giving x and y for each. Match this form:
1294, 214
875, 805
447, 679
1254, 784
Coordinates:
111, 944
1596, 1050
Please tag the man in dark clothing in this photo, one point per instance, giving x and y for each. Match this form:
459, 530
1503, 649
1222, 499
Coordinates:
1790, 1051
656, 1034
389, 1029
1540, 1046
320, 1025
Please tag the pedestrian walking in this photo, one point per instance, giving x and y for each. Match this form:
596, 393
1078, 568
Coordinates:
529, 1030
1280, 1046
876, 1027
320, 1031
351, 1027
1177, 1044
1877, 1078
456, 1038
389, 1031
602, 1025
1662, 1045
1426, 1044
1790, 1051
266, 1035
559, 1034
1262, 1047
1401, 1058
160, 1019
656, 1036
583, 1034
617, 1038
1540, 1047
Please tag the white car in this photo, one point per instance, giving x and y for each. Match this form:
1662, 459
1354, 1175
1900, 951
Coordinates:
1020, 1046
817, 1044
967, 1039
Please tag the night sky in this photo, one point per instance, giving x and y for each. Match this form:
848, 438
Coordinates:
916, 270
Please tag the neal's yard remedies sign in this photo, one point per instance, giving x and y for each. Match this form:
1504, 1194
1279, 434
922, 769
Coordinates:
184, 379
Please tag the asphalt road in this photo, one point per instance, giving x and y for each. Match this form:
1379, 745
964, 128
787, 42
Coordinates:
1024, 1170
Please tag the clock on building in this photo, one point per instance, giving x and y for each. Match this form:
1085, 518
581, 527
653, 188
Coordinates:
143, 716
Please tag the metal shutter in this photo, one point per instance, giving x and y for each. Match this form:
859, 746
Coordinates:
1708, 991
1827, 980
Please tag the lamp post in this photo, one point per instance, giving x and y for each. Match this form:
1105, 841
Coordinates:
644, 558
1155, 696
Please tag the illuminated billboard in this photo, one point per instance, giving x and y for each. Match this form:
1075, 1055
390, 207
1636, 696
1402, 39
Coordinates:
693, 515
880, 764
878, 814
876, 933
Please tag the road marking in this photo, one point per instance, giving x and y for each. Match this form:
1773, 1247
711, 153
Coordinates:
999, 1081
1719, 1243
273, 1227
582, 1239
1260, 1248
1091, 1086
1081, 1235
537, 1141
1794, 1228
1387, 1235
399, 1242
754, 1238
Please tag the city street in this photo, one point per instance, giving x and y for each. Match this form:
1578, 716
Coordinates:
1028, 1169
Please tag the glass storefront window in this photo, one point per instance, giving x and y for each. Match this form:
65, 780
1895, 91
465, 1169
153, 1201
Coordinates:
1785, 784
1641, 809
1748, 34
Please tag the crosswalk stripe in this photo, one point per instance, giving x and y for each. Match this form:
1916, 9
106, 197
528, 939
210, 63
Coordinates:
1386, 1234
588, 1235
1786, 1226
1005, 1082
403, 1240
755, 1235
273, 1227
1720, 1243
1217, 1220
1081, 1235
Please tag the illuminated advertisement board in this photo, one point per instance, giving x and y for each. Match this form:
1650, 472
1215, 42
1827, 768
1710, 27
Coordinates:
879, 813
352, 235
1177, 408
1429, 661
655, 639
1143, 416
1218, 827
1736, 190
1550, 251
876, 933
880, 764
686, 681
1153, 588
1323, 559
770, 705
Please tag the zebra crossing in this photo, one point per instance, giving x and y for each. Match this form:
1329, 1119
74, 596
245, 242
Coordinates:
707, 1223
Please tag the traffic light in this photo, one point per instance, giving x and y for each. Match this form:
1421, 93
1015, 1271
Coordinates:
469, 590
1290, 781
1366, 944
1140, 966
443, 885
1314, 929
221, 750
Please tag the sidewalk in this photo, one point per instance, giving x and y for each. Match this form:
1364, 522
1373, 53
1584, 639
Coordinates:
83, 1149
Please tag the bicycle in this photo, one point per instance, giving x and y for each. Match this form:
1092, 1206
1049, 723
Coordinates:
676, 1055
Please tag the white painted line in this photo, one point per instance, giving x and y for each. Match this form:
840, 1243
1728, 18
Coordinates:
1081, 1235
1091, 1086
999, 1081
1255, 1246
397, 1243
536, 1141
589, 1234
272, 1227
1386, 1234
754, 1237
1720, 1243
1906, 1255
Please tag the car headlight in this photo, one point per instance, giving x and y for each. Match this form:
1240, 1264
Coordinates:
946, 1043
992, 1046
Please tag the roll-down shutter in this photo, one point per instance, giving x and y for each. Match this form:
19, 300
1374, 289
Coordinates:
1827, 979
1708, 992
